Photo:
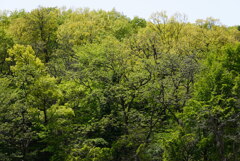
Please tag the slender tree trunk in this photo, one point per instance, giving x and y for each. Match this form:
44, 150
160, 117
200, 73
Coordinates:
45, 112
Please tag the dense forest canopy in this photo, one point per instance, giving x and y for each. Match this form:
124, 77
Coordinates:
95, 85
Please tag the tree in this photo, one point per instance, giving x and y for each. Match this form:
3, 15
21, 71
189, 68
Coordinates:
214, 110
41, 100
38, 29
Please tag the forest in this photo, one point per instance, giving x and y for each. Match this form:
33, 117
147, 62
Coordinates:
96, 85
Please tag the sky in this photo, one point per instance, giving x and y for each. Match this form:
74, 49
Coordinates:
227, 11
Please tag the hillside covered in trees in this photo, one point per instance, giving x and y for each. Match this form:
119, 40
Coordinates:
86, 85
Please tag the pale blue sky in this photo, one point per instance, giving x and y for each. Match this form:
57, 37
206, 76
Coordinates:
228, 11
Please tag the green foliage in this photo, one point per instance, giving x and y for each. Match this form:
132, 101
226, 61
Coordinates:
38, 29
5, 44
214, 111
95, 85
